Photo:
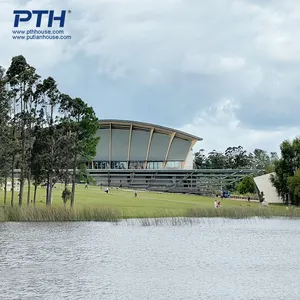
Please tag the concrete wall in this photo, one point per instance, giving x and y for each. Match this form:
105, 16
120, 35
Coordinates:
264, 184
189, 163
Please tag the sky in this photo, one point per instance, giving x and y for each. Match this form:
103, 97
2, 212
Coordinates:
225, 70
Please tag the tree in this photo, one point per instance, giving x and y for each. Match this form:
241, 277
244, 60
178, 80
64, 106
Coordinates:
294, 187
247, 185
66, 196
15, 75
261, 159
273, 157
51, 133
38, 159
81, 121
22, 80
4, 132
42, 132
200, 160
236, 158
285, 168
216, 160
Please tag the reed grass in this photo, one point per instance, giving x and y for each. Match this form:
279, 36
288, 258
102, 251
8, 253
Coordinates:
58, 214
106, 214
243, 212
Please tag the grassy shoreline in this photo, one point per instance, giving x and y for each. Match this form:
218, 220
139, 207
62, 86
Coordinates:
93, 204
106, 214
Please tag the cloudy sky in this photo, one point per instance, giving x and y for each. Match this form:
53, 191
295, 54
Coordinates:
225, 70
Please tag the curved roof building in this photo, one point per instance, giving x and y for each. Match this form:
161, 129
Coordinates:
136, 145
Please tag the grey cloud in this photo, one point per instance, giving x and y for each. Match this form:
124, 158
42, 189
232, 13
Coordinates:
166, 61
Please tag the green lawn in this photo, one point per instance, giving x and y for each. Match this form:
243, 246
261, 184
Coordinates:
94, 204
146, 203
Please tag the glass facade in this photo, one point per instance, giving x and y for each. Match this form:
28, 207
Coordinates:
173, 165
122, 165
154, 165
119, 165
101, 165
136, 165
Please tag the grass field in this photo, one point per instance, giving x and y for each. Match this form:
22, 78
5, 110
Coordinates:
145, 202
123, 204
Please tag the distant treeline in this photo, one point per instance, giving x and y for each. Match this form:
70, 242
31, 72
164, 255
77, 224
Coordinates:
286, 169
236, 158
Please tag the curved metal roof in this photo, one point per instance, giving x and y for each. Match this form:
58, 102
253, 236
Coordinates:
149, 126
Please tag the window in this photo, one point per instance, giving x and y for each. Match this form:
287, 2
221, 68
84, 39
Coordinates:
136, 165
173, 165
154, 165
101, 165
118, 164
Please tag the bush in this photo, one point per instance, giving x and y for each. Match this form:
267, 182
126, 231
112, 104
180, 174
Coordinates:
247, 185
66, 195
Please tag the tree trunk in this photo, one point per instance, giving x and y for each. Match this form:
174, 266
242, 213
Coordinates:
21, 189
12, 181
66, 180
29, 190
49, 194
73, 186
5, 190
22, 177
47, 191
34, 194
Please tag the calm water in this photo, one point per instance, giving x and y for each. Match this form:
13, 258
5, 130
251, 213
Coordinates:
215, 259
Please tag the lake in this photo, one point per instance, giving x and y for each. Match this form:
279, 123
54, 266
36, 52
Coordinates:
216, 259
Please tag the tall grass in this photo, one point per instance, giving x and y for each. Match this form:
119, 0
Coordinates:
104, 214
58, 214
243, 212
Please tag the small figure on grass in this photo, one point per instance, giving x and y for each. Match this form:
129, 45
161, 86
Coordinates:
215, 204
135, 194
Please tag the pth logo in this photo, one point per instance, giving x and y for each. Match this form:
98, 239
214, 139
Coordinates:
26, 16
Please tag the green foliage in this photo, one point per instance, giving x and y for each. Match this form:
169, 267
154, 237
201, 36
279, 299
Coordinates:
285, 170
81, 123
247, 185
294, 187
66, 195
43, 133
236, 158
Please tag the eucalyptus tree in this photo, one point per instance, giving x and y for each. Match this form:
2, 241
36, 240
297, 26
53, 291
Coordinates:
22, 81
49, 132
31, 99
82, 124
237, 158
4, 130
